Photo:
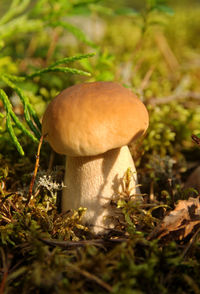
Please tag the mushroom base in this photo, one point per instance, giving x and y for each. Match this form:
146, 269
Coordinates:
92, 182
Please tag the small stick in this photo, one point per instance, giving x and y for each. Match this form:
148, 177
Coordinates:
176, 96
3, 282
147, 78
167, 52
35, 170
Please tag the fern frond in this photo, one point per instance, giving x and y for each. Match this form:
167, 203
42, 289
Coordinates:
10, 114
59, 69
72, 58
28, 110
16, 7
12, 135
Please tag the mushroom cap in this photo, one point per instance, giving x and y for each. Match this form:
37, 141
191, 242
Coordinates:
91, 118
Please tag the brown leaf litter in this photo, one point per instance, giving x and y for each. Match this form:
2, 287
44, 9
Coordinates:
180, 223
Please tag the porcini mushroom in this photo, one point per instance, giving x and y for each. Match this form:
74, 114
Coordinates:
92, 123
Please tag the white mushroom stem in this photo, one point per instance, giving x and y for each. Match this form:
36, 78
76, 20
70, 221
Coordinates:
93, 181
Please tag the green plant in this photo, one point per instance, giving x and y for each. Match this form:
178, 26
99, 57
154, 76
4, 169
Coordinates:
29, 113
44, 251
21, 18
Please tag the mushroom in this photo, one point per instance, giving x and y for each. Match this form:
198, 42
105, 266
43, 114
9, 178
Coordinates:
92, 123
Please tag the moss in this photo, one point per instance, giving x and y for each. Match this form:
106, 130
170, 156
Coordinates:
45, 251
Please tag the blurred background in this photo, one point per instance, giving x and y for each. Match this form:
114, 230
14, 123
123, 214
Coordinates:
152, 47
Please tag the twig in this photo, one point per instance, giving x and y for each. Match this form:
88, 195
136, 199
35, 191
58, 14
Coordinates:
82, 243
5, 271
167, 52
9, 195
179, 96
192, 284
3, 282
190, 243
6, 218
53, 44
147, 78
35, 170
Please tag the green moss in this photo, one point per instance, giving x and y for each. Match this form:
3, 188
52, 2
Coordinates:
44, 251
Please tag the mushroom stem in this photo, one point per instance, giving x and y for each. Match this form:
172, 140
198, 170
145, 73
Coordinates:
93, 181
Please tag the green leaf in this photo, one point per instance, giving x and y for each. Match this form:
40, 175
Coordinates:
83, 7
19, 25
126, 11
16, 7
164, 8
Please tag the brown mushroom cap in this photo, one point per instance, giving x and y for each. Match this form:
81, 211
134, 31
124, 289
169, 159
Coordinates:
91, 118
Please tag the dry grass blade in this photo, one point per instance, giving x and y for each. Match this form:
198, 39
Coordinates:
167, 52
35, 170
5, 271
189, 280
90, 276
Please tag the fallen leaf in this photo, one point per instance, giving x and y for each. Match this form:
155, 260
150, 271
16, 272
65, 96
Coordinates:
180, 223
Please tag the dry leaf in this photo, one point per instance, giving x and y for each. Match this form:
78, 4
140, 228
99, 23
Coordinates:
180, 223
